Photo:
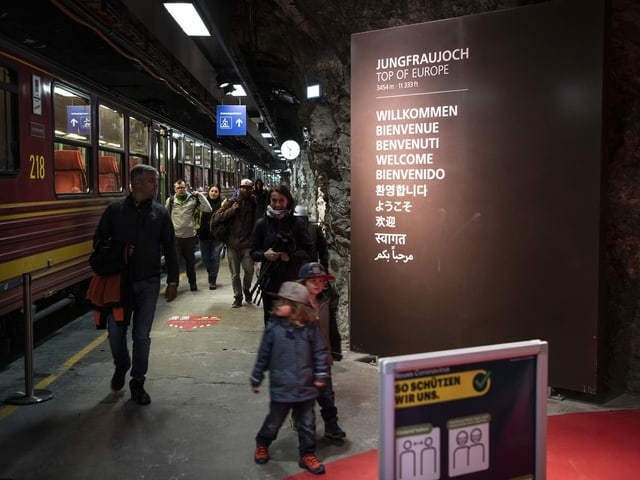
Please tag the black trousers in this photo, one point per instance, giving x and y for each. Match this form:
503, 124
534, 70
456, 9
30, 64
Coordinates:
186, 248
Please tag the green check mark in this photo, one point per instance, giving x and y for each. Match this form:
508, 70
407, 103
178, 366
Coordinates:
480, 381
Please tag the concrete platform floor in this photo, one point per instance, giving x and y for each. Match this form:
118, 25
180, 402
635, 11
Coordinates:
203, 418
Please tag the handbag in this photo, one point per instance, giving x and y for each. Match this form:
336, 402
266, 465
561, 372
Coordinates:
220, 231
109, 257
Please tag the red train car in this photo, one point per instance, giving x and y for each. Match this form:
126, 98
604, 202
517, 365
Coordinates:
66, 147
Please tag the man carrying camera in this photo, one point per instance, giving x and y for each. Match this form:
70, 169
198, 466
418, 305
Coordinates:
282, 243
241, 215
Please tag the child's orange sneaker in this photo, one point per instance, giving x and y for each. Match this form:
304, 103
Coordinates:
262, 454
311, 463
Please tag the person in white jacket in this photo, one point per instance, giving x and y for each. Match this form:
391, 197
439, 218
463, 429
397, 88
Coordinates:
183, 207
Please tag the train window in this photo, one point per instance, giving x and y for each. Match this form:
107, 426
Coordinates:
188, 150
109, 172
111, 125
72, 115
197, 154
186, 175
70, 169
9, 162
138, 137
206, 156
198, 181
176, 147
217, 160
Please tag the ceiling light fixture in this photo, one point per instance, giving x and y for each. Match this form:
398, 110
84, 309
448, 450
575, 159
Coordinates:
186, 15
313, 90
264, 131
238, 91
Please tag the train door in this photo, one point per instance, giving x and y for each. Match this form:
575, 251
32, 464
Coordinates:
199, 179
139, 143
176, 165
187, 159
160, 143
207, 164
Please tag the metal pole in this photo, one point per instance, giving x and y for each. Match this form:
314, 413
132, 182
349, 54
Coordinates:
29, 396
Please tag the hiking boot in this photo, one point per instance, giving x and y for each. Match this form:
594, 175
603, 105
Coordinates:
117, 381
237, 303
311, 463
262, 454
138, 395
333, 431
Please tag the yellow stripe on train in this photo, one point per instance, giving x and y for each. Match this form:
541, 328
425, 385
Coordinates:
17, 216
46, 262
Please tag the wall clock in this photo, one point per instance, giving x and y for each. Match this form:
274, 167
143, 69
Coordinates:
290, 149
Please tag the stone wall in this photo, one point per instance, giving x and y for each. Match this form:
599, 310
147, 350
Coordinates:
319, 48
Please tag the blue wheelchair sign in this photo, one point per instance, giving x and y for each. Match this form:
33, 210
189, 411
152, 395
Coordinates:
231, 120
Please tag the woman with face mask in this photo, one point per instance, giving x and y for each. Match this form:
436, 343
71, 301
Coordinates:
281, 243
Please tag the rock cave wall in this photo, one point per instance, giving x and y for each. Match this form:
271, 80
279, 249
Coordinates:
318, 47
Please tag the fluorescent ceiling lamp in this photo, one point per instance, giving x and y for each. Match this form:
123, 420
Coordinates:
313, 91
266, 134
187, 17
58, 90
238, 91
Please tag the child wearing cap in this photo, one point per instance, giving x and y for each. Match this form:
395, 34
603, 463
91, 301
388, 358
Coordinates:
314, 277
294, 352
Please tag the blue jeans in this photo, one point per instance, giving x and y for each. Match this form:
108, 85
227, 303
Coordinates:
210, 251
304, 418
327, 401
144, 298
238, 258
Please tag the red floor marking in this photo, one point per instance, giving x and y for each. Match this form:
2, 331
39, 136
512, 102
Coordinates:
188, 321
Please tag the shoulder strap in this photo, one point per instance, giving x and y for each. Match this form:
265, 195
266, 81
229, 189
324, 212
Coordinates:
171, 200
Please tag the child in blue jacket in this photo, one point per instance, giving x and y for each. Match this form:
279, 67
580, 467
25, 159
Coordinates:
295, 353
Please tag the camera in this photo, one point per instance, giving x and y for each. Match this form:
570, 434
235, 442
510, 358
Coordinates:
285, 243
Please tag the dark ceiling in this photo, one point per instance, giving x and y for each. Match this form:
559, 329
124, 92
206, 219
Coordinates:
136, 50
273, 47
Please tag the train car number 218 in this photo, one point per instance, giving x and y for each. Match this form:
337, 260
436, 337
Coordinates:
38, 170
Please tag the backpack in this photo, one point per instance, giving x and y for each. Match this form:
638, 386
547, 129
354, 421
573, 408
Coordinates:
220, 230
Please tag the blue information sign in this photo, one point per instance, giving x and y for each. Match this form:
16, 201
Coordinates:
79, 119
231, 120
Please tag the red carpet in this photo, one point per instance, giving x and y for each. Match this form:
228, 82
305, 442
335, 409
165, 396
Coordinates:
594, 446
580, 446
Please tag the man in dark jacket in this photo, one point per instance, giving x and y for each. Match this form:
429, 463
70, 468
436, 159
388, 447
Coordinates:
145, 227
241, 215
